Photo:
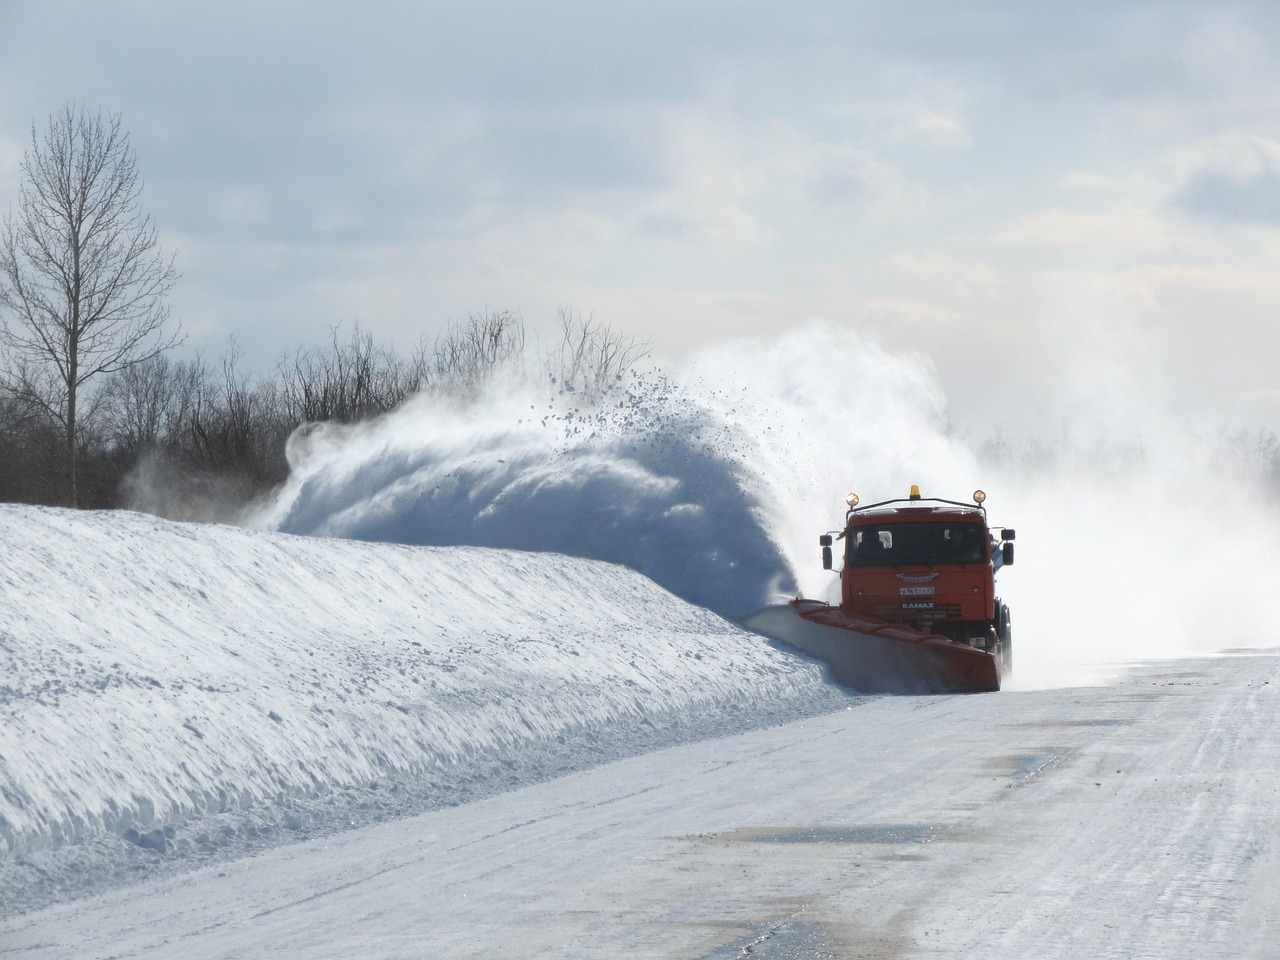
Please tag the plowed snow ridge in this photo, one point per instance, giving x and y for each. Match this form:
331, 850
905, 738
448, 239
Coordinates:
156, 672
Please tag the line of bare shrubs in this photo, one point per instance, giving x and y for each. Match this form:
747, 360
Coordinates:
191, 439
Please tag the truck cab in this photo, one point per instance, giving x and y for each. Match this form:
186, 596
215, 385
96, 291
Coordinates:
929, 564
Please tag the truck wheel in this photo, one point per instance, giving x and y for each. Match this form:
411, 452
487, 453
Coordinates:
1004, 631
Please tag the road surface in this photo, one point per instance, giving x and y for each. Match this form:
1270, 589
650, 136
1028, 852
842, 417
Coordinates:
1137, 819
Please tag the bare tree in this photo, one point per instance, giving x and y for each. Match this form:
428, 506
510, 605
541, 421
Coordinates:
348, 382
466, 356
591, 356
80, 270
234, 426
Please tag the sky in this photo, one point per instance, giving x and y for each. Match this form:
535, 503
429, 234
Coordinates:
1055, 206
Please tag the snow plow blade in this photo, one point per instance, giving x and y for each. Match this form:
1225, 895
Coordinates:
872, 656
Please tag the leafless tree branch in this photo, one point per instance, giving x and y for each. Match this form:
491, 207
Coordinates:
82, 275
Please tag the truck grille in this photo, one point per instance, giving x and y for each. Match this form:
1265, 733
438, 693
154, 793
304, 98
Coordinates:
901, 613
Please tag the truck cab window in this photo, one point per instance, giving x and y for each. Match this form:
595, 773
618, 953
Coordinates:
918, 543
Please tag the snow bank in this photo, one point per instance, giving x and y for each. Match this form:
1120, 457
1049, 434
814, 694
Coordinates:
153, 671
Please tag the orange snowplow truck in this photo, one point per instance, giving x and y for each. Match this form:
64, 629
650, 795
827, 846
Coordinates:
924, 567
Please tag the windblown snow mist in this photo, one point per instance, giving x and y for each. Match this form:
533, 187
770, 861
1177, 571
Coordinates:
716, 481
1140, 537
1157, 547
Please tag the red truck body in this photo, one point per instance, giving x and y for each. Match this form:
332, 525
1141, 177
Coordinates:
918, 607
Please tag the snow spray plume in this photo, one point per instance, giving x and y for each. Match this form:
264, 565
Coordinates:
830, 411
650, 477
715, 489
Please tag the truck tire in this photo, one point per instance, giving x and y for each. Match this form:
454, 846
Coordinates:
1004, 633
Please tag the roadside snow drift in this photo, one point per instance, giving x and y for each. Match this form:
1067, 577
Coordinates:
155, 671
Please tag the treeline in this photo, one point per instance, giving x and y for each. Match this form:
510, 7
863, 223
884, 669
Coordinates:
190, 438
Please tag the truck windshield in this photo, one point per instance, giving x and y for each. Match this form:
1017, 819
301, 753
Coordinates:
916, 543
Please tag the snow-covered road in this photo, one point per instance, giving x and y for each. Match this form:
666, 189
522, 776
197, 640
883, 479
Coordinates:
1132, 820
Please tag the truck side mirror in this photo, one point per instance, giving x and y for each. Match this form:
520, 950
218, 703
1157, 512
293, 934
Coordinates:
1006, 554
1008, 534
825, 542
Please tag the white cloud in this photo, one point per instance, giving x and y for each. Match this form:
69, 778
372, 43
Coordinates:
841, 177
959, 278
1232, 178
1153, 287
1117, 233
913, 316
1084, 180
909, 123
